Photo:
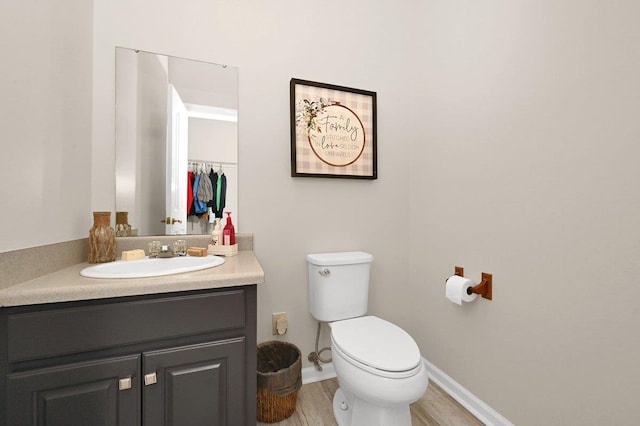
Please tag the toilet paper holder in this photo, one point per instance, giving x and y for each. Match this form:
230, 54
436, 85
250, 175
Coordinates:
484, 289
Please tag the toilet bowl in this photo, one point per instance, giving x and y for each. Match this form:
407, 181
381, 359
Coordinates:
378, 364
380, 372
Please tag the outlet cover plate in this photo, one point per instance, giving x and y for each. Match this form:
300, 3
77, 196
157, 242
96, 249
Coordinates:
275, 317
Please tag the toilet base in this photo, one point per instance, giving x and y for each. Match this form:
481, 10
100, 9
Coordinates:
350, 411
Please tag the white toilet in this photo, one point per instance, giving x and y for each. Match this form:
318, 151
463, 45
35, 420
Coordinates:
378, 364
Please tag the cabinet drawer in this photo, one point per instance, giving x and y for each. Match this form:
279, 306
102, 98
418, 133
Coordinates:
70, 330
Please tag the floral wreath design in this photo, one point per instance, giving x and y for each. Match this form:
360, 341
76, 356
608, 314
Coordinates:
308, 114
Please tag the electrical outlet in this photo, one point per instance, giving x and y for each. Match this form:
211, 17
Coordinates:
279, 323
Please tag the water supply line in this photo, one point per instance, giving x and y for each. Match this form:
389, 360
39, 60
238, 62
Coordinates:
315, 356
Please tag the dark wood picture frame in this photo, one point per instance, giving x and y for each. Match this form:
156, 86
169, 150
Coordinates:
333, 131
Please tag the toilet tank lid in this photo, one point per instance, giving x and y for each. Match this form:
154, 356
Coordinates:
342, 258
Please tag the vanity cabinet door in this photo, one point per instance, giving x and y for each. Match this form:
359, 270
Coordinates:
195, 385
101, 392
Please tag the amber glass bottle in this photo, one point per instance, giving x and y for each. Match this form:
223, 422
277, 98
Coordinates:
102, 239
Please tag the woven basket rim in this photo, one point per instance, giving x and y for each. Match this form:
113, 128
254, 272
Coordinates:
290, 345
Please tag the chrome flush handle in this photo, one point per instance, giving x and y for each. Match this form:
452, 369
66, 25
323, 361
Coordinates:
325, 272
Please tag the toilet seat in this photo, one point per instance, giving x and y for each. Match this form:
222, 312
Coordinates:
377, 346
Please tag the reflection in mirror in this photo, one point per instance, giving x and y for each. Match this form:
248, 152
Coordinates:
176, 143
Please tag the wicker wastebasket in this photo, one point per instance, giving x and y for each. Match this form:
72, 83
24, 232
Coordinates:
279, 379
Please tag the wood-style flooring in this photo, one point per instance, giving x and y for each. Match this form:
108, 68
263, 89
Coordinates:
435, 408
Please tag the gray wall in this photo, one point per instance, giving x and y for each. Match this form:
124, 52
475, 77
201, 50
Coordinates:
527, 168
507, 138
46, 84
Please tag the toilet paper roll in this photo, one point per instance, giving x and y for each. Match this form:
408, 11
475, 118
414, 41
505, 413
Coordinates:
456, 289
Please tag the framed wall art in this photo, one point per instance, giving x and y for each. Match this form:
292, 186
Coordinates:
333, 131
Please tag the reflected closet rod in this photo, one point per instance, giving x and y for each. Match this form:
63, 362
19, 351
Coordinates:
215, 163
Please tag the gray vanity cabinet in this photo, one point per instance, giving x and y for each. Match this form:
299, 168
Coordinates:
75, 394
185, 358
195, 387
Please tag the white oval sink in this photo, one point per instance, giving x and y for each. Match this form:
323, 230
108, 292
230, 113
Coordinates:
151, 267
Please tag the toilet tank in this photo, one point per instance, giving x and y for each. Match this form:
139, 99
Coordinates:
338, 285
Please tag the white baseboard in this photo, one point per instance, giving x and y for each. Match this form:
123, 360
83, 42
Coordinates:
310, 374
472, 403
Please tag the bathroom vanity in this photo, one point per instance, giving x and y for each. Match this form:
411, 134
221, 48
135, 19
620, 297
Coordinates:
172, 350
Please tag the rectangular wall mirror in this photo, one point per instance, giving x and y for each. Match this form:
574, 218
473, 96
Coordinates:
176, 123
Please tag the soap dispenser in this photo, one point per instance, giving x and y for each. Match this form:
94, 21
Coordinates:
229, 232
216, 235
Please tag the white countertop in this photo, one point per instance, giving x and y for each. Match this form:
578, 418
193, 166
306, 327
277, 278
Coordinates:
68, 285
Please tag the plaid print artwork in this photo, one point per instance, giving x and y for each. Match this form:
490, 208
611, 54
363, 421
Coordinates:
335, 137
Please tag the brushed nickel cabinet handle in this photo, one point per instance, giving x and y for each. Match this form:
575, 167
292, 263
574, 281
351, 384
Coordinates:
150, 379
124, 383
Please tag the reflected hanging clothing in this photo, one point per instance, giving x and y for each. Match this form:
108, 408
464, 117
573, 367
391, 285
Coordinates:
190, 178
213, 177
220, 195
200, 206
205, 190
192, 208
